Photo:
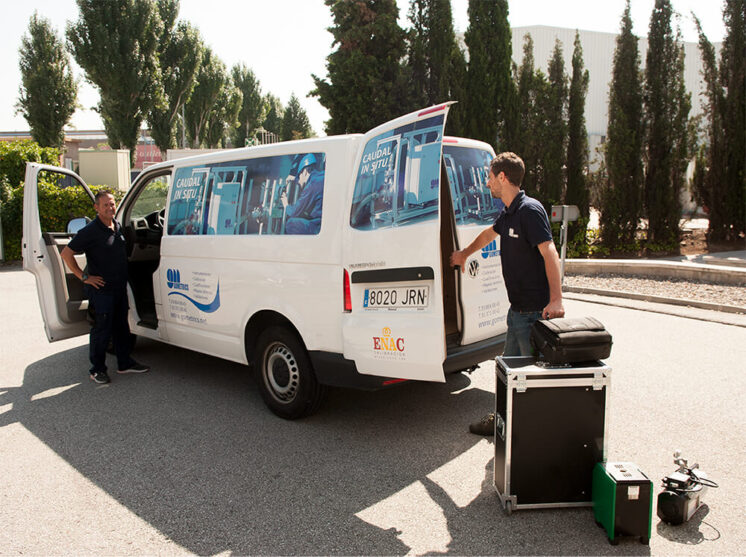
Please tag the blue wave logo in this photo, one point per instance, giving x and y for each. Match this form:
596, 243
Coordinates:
173, 280
207, 308
490, 250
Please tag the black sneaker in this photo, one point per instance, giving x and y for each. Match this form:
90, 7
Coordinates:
485, 426
100, 377
134, 368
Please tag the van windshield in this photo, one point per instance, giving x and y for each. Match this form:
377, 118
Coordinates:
468, 169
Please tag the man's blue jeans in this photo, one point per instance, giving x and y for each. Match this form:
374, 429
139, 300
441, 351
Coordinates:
518, 340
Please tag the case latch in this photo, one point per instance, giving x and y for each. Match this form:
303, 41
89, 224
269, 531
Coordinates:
598, 381
520, 384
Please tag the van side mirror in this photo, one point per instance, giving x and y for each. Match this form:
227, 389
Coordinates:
76, 224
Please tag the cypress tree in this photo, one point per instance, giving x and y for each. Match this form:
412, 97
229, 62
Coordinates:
531, 133
366, 84
722, 188
436, 62
621, 196
577, 148
555, 118
491, 111
48, 92
666, 113
295, 124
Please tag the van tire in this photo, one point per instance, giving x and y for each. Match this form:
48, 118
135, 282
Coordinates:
285, 375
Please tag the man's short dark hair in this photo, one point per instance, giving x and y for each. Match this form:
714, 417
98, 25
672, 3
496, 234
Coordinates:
101, 193
512, 165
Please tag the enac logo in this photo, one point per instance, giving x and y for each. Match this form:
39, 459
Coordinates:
388, 343
490, 250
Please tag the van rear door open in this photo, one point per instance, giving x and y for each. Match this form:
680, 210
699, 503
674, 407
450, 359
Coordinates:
391, 253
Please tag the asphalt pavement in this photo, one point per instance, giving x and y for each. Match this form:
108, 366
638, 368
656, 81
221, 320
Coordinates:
187, 460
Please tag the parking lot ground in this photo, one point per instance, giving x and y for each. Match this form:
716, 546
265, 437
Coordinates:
187, 460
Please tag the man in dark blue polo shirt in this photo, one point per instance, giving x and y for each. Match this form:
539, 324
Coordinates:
530, 262
105, 286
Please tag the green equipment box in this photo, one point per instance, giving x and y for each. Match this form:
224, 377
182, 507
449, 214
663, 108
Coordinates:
622, 500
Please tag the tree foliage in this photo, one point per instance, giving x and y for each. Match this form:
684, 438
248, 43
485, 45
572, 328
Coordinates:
621, 196
48, 92
491, 103
666, 114
251, 113
295, 124
213, 107
274, 114
365, 66
577, 140
179, 55
436, 63
721, 185
554, 117
116, 43
577, 150
529, 139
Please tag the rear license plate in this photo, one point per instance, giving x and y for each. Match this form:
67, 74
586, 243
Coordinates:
399, 297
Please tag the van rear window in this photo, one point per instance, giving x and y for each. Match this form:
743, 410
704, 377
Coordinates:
268, 195
468, 170
398, 180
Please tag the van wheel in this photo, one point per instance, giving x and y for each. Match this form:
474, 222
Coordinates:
286, 379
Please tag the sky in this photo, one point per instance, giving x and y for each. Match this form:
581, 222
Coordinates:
285, 41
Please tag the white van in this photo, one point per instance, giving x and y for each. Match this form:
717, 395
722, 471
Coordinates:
321, 262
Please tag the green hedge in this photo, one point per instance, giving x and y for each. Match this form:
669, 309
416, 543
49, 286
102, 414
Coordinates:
15, 154
57, 206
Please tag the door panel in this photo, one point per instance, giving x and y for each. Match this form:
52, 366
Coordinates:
60, 293
482, 295
392, 251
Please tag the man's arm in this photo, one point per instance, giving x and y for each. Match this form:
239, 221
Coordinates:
552, 266
68, 256
458, 258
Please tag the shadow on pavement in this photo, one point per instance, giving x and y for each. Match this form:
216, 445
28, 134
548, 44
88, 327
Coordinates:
191, 449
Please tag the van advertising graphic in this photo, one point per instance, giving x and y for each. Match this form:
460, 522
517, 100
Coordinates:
194, 299
388, 346
268, 195
398, 180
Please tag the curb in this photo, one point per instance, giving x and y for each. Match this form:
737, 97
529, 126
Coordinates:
661, 269
656, 299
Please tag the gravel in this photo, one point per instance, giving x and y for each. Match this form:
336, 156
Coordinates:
669, 288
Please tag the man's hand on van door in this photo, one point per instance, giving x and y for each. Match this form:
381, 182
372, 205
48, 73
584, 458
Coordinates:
458, 259
553, 310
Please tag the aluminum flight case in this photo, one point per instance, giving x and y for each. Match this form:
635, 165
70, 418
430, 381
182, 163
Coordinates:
550, 431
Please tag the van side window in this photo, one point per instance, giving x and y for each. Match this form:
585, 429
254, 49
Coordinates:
468, 169
398, 179
269, 195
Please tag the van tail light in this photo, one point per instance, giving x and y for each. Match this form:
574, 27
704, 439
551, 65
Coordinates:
347, 296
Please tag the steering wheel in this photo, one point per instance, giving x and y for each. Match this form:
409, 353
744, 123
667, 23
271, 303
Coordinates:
162, 218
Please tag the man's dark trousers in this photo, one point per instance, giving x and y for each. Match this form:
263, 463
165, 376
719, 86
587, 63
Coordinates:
110, 322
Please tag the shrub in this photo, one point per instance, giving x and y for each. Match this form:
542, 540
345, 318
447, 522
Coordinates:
57, 206
15, 154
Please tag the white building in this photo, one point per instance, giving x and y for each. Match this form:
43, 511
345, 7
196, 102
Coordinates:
598, 57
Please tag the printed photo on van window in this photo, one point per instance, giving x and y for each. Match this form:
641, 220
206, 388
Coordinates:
398, 179
468, 170
269, 195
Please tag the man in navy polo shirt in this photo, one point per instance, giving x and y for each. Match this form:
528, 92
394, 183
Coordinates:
530, 263
105, 286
